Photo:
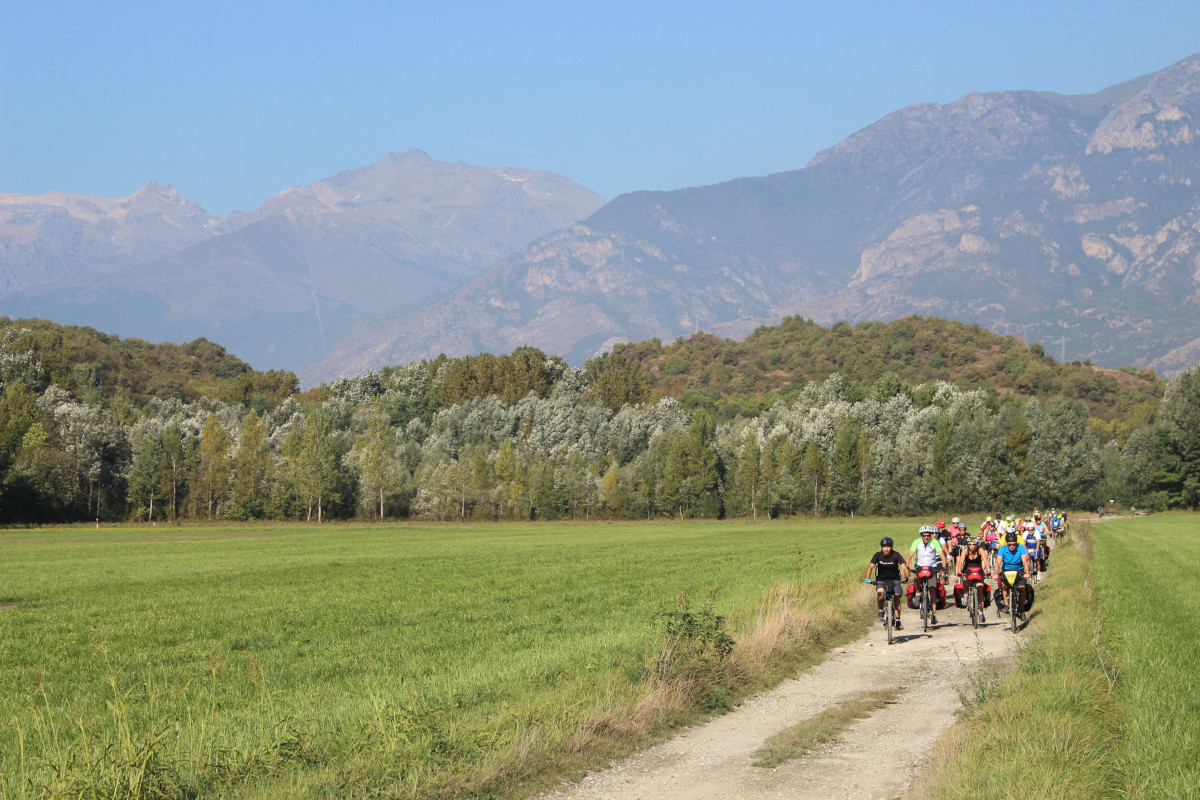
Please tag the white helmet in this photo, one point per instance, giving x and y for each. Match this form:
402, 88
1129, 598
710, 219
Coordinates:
955, 521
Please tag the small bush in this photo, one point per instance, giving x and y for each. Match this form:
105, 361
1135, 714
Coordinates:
691, 643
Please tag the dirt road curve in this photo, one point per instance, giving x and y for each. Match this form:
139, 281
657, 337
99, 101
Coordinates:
877, 758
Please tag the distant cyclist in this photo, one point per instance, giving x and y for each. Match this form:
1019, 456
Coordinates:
888, 564
959, 537
942, 534
991, 541
1043, 533
1032, 542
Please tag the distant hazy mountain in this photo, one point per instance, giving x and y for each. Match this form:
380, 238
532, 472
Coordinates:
279, 285
1070, 220
57, 237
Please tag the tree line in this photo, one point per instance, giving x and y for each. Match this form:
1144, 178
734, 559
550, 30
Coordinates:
525, 436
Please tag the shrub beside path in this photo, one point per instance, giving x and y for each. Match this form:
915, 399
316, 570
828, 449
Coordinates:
877, 757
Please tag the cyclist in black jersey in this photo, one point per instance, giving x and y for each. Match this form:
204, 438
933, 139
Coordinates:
973, 557
888, 564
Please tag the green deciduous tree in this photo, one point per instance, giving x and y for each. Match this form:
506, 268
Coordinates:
251, 468
318, 458
691, 475
374, 460
214, 464
614, 381
1181, 415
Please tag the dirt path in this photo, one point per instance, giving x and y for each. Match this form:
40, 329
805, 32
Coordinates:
876, 758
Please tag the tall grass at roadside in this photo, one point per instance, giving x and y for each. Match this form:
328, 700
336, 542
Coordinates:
1152, 610
1046, 728
401, 661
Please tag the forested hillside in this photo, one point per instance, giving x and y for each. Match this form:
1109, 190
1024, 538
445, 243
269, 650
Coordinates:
776, 362
815, 421
90, 364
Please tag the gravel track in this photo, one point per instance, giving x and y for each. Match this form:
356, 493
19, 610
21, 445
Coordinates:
877, 757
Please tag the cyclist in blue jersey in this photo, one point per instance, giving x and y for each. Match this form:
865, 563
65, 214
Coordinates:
1013, 558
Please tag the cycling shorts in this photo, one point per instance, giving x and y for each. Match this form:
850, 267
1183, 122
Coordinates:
895, 587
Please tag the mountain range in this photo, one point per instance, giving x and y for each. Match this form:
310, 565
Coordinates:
278, 285
1071, 220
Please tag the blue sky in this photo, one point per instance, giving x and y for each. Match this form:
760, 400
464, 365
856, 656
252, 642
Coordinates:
233, 102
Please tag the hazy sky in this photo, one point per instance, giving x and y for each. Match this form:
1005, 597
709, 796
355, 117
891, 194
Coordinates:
233, 102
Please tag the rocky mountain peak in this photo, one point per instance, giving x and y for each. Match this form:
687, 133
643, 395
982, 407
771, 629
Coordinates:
166, 200
1165, 112
1028, 212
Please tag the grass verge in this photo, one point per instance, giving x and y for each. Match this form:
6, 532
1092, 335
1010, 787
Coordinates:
1053, 720
824, 727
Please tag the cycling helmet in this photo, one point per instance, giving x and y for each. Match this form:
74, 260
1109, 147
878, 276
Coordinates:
927, 529
1010, 538
973, 541
1037, 515
955, 521
886, 541
941, 523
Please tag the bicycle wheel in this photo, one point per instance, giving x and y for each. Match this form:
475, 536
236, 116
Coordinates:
1013, 599
889, 615
926, 607
973, 605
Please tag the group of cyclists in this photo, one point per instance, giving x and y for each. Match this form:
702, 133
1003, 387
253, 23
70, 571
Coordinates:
1003, 544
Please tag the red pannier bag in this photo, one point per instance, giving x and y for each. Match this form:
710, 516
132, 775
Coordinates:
975, 574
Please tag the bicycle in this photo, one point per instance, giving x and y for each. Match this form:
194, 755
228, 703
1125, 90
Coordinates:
927, 603
1034, 572
889, 610
1016, 610
974, 581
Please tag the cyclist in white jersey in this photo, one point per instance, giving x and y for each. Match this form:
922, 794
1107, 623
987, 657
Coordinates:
927, 551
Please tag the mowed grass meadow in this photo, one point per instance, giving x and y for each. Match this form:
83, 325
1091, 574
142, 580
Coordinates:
1102, 701
1140, 571
393, 660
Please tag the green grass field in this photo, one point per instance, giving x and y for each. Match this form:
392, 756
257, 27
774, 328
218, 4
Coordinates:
403, 661
1152, 615
1102, 698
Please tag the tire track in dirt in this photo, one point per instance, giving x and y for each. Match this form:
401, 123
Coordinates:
877, 757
